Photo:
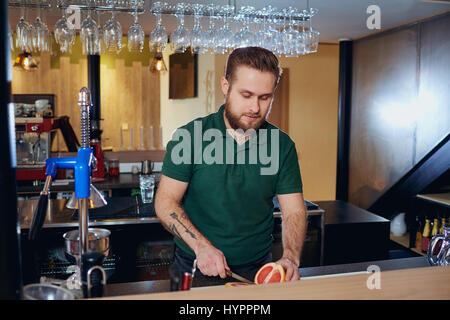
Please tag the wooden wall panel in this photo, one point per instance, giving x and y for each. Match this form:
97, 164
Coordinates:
129, 95
64, 82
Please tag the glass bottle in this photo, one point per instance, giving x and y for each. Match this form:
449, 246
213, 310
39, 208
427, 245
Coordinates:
435, 229
426, 234
418, 236
441, 229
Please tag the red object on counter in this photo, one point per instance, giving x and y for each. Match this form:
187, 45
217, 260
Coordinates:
187, 281
99, 172
113, 167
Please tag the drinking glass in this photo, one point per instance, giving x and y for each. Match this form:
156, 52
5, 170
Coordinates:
312, 36
136, 35
180, 38
225, 35
290, 35
244, 37
11, 42
147, 185
276, 23
265, 37
100, 44
198, 36
158, 36
112, 33
89, 34
39, 34
64, 33
23, 32
211, 35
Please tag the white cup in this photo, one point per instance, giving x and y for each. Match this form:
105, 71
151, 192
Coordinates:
41, 105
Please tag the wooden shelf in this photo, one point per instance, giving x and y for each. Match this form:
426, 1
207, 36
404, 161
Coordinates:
404, 241
441, 198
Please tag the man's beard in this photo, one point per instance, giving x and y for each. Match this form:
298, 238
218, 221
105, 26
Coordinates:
235, 120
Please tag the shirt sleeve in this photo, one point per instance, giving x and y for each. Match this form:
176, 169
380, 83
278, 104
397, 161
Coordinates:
289, 178
177, 163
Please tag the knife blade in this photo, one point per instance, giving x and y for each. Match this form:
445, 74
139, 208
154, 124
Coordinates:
238, 277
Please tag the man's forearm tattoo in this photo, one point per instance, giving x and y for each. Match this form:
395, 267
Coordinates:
175, 232
175, 216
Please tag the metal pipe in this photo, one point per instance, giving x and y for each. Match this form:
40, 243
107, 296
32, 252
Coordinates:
83, 227
85, 102
10, 257
94, 88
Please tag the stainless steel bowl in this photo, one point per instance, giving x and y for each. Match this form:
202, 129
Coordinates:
98, 241
42, 291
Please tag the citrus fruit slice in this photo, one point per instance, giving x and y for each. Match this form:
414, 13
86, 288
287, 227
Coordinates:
236, 284
270, 272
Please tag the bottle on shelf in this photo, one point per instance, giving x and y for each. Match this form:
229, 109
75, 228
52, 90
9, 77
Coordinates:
441, 229
435, 229
418, 235
426, 234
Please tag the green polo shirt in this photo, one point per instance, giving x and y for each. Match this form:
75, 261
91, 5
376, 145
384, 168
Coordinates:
231, 188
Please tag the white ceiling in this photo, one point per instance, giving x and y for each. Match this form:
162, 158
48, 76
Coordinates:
337, 19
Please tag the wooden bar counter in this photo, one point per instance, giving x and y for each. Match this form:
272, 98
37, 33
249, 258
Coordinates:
416, 283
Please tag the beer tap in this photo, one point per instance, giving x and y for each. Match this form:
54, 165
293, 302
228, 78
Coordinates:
82, 165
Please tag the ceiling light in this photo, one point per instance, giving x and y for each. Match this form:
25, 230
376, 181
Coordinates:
25, 61
158, 64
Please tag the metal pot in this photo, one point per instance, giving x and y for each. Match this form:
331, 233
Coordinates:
98, 241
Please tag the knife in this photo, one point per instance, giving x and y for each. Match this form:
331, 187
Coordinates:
238, 277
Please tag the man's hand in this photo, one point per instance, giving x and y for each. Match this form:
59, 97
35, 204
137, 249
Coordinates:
211, 261
291, 269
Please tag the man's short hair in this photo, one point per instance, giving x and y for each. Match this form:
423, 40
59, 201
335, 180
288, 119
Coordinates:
254, 57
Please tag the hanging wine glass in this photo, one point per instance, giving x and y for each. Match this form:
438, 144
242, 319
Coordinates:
262, 35
198, 36
47, 39
89, 34
112, 33
244, 37
23, 32
136, 35
291, 35
10, 36
180, 38
276, 23
300, 45
38, 32
225, 35
100, 45
158, 36
312, 36
64, 33
212, 34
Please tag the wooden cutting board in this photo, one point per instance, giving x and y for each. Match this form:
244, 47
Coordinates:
419, 283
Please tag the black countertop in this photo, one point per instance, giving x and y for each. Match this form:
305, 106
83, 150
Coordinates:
122, 181
341, 212
141, 287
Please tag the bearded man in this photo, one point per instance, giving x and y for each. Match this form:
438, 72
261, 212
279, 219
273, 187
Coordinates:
220, 211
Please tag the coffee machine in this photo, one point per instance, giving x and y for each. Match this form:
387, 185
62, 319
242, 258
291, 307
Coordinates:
33, 146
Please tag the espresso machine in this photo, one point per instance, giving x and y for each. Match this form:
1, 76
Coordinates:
33, 146
88, 245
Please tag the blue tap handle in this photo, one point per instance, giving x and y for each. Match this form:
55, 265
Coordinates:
81, 164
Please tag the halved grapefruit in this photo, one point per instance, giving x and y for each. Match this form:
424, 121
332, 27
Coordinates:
237, 284
270, 272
